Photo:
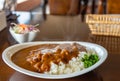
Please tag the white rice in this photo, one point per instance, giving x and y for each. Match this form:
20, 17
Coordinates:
75, 64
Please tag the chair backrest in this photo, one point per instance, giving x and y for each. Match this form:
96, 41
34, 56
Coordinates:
28, 5
104, 24
68, 7
113, 6
64, 7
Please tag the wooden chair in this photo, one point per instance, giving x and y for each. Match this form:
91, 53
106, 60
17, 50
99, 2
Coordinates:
28, 5
102, 7
67, 7
109, 7
113, 6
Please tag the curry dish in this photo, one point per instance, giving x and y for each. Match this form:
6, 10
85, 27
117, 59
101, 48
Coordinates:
38, 58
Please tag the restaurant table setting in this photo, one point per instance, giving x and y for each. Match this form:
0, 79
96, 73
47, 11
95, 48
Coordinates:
57, 36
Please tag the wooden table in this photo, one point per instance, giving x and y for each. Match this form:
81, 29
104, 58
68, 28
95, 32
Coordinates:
59, 28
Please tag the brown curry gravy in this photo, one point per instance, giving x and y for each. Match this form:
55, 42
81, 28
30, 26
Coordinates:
20, 57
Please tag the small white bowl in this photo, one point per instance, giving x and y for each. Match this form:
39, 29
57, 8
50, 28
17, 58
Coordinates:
21, 38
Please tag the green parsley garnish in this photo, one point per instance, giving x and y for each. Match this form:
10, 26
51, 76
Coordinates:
89, 60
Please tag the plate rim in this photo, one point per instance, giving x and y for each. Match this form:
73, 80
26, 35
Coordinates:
46, 76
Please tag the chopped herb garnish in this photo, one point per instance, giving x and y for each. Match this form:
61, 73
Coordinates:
89, 60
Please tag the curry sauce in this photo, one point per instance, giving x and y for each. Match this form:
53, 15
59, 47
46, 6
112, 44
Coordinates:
38, 58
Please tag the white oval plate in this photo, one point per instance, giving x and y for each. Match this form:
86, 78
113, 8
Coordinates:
7, 54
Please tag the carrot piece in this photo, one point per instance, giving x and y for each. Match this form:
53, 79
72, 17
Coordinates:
23, 26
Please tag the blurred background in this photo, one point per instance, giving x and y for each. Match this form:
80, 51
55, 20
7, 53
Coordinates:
93, 6
62, 7
64, 16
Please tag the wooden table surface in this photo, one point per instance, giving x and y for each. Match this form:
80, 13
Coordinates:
59, 28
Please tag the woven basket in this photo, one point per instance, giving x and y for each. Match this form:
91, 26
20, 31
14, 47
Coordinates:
104, 24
